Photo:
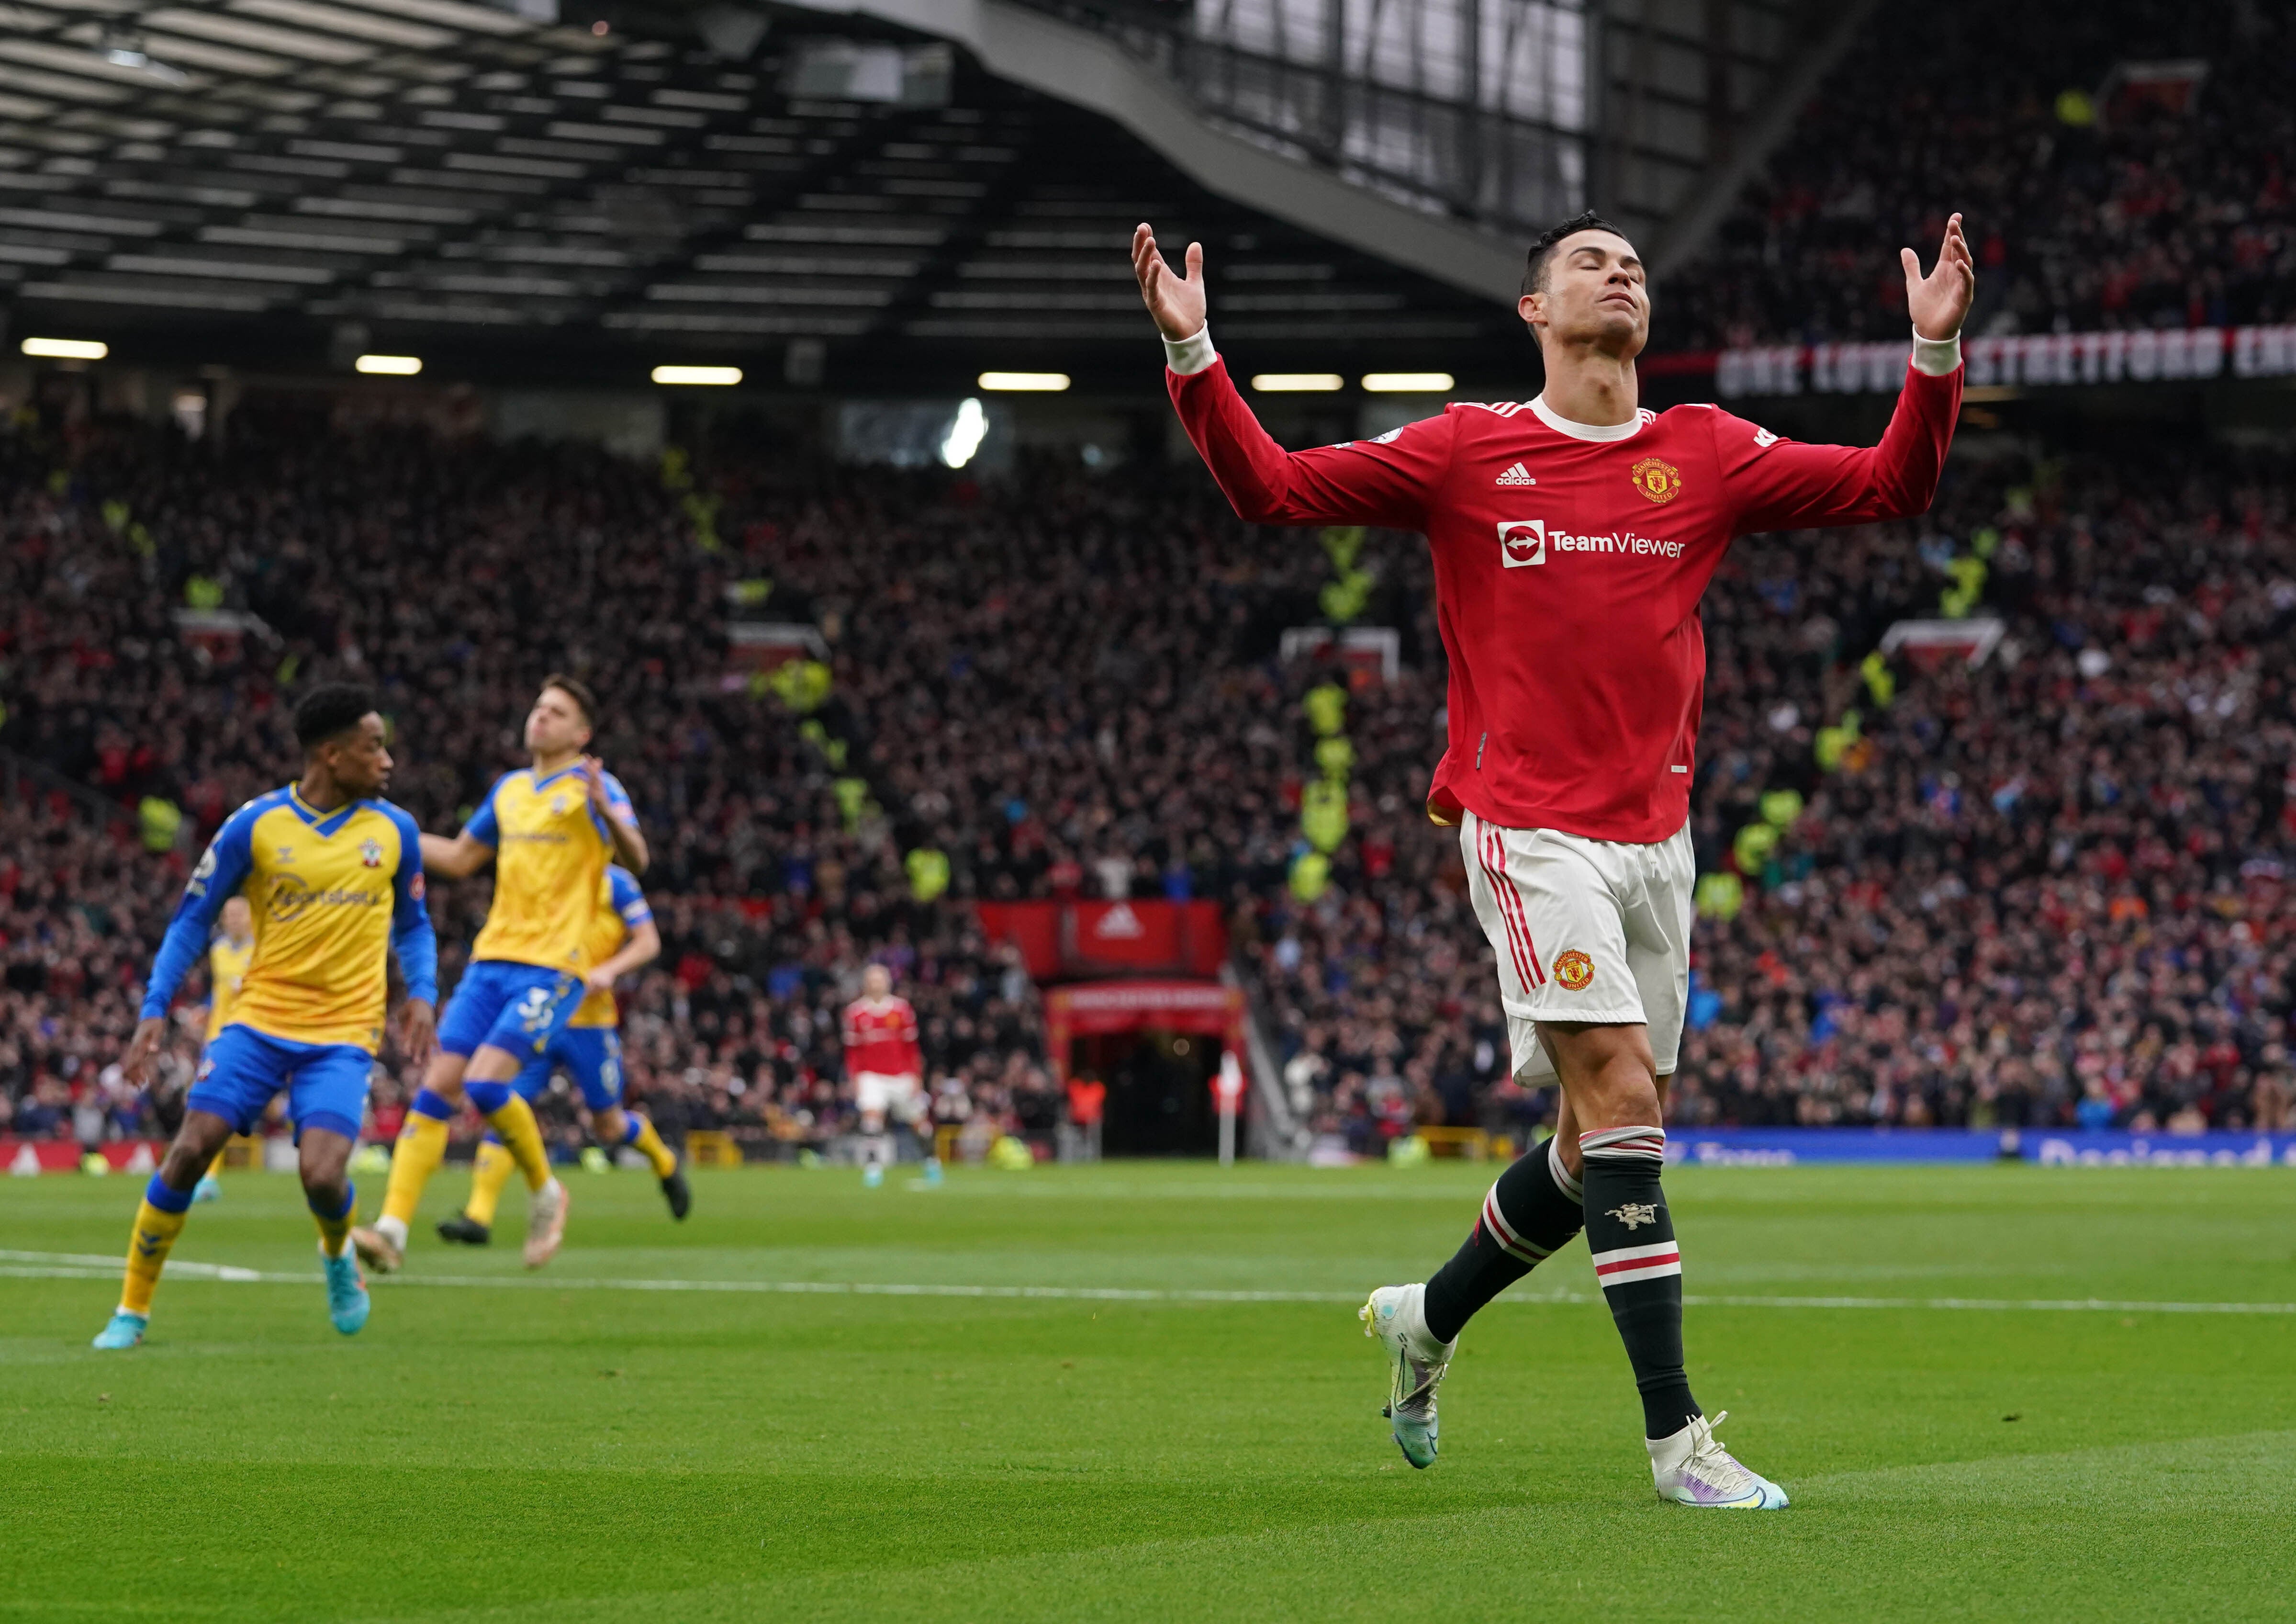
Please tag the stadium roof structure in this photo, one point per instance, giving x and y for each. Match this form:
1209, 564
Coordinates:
282, 184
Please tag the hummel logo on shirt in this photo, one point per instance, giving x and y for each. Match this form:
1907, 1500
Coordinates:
1515, 475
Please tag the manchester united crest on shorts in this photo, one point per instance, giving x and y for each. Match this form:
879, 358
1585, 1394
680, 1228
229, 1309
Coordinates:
371, 853
1573, 969
1661, 481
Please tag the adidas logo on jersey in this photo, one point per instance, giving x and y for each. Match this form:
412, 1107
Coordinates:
1516, 474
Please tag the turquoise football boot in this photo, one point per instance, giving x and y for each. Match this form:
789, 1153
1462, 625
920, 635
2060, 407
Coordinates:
348, 1303
124, 1329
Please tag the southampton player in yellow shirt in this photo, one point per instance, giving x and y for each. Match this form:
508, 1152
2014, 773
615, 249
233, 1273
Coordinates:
550, 830
623, 938
335, 877
228, 959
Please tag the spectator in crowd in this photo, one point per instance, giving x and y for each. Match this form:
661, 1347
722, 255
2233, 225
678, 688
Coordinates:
2048, 889
2092, 202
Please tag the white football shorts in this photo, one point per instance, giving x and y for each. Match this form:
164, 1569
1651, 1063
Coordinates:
895, 1095
1593, 931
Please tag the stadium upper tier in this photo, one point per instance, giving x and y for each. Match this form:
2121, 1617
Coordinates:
1938, 894
282, 184
2122, 163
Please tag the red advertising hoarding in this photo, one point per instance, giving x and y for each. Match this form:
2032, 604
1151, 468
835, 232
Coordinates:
1071, 940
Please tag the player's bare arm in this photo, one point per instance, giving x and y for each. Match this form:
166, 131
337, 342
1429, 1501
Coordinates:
644, 946
621, 828
1938, 302
457, 858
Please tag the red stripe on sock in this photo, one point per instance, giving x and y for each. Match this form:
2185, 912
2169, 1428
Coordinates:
1656, 1260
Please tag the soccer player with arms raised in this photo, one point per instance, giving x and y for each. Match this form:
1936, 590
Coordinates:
335, 878
550, 830
1572, 538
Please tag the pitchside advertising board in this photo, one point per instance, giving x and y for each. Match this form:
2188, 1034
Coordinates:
1782, 1147
1217, 1010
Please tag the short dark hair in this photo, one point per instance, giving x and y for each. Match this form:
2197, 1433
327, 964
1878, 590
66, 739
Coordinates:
578, 690
1534, 270
330, 708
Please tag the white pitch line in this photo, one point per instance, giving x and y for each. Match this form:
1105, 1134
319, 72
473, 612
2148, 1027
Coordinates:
80, 1266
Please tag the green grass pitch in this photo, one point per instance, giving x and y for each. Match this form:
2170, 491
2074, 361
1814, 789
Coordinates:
578, 1449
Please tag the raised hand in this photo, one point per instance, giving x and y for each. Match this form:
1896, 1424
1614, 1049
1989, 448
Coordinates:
1938, 301
1175, 301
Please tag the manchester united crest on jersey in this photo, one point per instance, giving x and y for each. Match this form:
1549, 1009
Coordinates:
1661, 481
1574, 969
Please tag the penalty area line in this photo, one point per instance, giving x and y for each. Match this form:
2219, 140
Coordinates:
80, 1266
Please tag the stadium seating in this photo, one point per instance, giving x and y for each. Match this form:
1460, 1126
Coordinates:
2047, 889
2095, 198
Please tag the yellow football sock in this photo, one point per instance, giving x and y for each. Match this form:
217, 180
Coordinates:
487, 1181
650, 1146
154, 1236
421, 1147
216, 1166
522, 1136
335, 1233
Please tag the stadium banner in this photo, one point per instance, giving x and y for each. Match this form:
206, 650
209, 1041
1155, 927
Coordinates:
2143, 356
1782, 1147
1088, 939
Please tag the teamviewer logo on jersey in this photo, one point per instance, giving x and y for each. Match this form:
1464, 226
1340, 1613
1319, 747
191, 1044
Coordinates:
1522, 542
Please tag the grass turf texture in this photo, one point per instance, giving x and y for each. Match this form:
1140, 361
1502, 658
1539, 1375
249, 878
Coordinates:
529, 1448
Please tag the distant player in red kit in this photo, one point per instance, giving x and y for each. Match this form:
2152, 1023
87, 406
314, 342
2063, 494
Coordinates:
1573, 536
884, 1063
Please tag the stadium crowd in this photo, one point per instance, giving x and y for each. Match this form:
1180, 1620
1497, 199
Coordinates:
452, 577
2048, 889
2094, 200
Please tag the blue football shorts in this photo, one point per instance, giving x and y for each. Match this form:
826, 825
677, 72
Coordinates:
243, 1069
592, 1056
517, 1008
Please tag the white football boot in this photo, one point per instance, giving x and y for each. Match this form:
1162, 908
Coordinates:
1415, 1363
545, 1223
1692, 1468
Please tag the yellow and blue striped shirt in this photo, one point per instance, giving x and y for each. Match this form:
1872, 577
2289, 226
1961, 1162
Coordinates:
552, 849
228, 962
620, 912
333, 894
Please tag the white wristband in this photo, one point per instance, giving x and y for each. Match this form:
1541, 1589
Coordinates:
1193, 354
1936, 356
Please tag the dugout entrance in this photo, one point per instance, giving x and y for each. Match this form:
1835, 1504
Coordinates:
1160, 1091
1156, 1046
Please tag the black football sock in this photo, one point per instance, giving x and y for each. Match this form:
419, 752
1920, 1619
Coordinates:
1631, 1234
1533, 1209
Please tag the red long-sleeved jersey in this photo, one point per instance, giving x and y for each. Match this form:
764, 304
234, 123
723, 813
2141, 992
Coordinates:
883, 1037
1569, 563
